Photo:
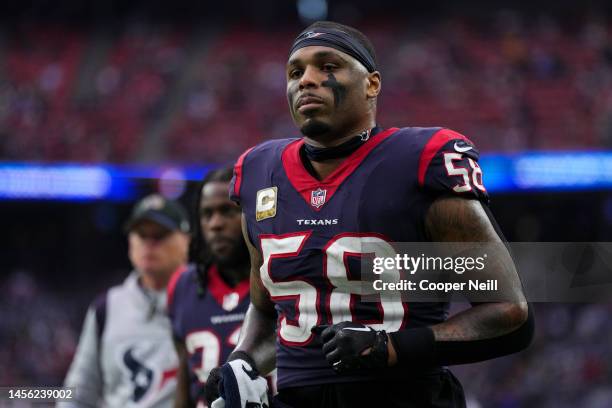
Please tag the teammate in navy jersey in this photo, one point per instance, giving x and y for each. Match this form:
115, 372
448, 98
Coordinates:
309, 204
208, 300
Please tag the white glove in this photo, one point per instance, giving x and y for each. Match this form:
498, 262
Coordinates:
241, 387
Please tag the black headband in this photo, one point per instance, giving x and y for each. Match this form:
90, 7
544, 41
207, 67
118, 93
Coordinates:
337, 39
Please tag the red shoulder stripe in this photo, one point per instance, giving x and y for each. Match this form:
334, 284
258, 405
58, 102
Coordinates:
435, 143
238, 171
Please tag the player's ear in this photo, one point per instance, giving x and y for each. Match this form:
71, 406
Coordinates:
373, 84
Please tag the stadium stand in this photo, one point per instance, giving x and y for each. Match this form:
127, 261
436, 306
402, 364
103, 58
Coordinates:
511, 85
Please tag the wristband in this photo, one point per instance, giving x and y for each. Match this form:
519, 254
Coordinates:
414, 347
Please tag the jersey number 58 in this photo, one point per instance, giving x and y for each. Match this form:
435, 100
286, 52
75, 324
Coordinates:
338, 302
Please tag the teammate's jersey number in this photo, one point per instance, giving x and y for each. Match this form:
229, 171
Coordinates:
208, 344
338, 303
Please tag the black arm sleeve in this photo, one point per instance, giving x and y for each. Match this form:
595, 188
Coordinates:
418, 346
463, 352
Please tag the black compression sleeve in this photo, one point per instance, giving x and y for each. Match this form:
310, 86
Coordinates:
417, 347
463, 352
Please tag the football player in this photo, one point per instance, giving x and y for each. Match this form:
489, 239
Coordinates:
207, 302
310, 204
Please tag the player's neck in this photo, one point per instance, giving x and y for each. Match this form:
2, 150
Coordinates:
338, 137
233, 275
321, 169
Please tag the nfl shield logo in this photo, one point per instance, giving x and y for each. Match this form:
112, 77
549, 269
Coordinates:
230, 301
317, 197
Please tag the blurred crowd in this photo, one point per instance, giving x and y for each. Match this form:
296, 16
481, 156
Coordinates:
38, 332
50, 109
164, 92
569, 363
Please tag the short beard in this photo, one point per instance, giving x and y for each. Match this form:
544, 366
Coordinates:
315, 129
238, 256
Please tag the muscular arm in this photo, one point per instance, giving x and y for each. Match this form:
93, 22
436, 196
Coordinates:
258, 336
459, 220
486, 330
181, 398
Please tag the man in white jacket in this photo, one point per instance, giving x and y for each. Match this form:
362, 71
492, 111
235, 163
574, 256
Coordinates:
125, 356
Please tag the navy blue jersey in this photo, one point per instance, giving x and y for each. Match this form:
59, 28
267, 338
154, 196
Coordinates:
208, 324
310, 232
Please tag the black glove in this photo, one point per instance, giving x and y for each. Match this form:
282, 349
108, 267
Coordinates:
344, 345
211, 389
